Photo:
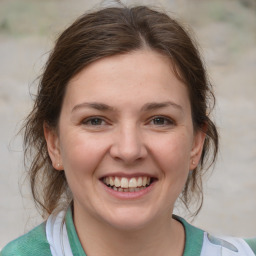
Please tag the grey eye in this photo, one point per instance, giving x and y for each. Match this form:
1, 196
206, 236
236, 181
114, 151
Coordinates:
161, 121
94, 121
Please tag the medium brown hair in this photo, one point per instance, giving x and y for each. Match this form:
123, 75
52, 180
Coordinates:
107, 32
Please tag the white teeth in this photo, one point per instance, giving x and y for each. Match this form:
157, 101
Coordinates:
124, 183
111, 181
139, 182
144, 181
132, 183
117, 182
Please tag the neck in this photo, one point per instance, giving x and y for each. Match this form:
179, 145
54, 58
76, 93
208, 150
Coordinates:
164, 236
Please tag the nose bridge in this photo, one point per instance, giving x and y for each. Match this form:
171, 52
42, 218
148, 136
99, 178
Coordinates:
129, 145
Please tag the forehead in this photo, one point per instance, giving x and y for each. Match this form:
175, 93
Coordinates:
141, 76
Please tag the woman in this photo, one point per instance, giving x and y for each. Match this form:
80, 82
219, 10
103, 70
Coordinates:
119, 130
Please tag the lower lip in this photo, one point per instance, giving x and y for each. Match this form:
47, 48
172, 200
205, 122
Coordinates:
129, 195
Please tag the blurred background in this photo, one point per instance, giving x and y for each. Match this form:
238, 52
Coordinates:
226, 31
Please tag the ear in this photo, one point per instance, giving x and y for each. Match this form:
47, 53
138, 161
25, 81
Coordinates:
53, 146
197, 148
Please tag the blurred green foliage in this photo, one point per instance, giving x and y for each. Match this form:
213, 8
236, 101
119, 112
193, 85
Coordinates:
26, 17
35, 17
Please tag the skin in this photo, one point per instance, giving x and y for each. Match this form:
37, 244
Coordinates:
126, 115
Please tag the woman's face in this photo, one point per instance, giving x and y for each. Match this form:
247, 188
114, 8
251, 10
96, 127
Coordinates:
126, 139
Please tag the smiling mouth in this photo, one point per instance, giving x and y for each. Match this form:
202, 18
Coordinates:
123, 184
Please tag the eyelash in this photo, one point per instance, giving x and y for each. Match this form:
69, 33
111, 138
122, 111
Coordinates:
91, 119
167, 121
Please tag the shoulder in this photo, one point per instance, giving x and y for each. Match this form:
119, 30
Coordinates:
228, 246
199, 242
252, 243
30, 244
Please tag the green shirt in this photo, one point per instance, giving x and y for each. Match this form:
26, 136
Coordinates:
35, 243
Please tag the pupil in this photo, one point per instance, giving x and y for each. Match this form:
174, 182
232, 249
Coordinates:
159, 120
96, 121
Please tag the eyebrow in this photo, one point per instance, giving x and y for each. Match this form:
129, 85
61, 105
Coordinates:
159, 105
145, 108
94, 105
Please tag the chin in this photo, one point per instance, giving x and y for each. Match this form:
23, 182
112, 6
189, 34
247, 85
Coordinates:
129, 219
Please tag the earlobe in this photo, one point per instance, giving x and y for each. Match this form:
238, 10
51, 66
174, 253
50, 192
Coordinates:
197, 149
53, 146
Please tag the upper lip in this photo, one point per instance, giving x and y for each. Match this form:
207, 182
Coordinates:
128, 175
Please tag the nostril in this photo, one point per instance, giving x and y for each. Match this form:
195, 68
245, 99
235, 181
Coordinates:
129, 154
128, 147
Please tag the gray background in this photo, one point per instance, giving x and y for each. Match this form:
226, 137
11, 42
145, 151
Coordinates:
226, 31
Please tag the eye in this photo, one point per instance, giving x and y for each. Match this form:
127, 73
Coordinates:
94, 121
161, 121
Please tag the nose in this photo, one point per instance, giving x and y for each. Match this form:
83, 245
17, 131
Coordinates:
128, 145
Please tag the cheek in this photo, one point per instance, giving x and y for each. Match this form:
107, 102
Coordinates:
173, 158
173, 152
80, 153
